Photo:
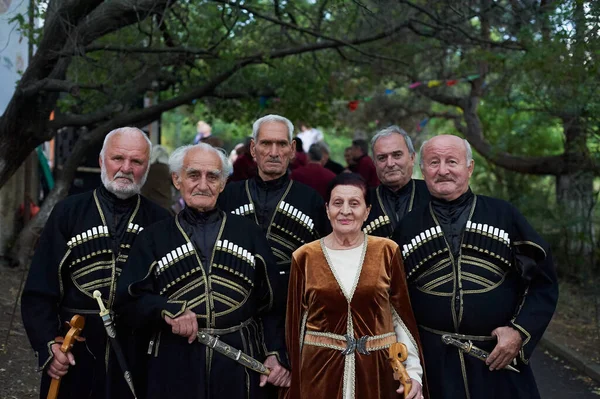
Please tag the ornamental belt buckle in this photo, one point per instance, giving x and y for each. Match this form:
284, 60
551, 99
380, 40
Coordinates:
359, 345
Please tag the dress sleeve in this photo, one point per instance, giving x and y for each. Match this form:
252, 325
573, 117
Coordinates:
412, 363
295, 323
405, 324
42, 293
138, 302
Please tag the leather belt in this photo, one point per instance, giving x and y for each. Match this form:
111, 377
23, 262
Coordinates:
223, 331
459, 336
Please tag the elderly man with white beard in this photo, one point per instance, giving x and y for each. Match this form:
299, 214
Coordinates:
83, 248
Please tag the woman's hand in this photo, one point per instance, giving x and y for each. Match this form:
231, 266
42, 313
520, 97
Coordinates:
416, 392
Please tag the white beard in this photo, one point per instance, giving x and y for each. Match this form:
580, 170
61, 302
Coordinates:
121, 189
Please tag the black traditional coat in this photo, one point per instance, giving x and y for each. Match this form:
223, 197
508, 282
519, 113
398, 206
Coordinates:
299, 217
77, 255
231, 295
503, 276
382, 219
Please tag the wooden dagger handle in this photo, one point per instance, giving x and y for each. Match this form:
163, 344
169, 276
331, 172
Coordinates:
397, 354
77, 323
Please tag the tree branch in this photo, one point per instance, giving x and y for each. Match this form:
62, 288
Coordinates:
311, 32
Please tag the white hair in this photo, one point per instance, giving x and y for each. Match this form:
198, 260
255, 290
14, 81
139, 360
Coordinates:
176, 159
127, 131
272, 118
390, 130
468, 150
119, 190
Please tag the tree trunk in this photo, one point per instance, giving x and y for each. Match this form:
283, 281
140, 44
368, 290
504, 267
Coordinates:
575, 198
11, 195
576, 201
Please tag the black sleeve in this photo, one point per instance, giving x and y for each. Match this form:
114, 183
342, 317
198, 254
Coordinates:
138, 302
43, 290
322, 224
272, 310
224, 200
534, 262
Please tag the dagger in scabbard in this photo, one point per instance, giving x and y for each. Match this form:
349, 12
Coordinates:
109, 326
213, 342
472, 350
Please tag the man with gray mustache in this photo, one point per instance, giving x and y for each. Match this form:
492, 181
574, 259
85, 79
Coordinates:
398, 193
289, 213
204, 270
478, 276
83, 248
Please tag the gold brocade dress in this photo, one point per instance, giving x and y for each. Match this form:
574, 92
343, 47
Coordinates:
319, 315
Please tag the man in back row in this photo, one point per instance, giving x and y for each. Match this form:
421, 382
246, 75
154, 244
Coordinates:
289, 213
478, 274
398, 193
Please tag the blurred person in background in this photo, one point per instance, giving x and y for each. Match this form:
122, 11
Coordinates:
350, 163
300, 157
364, 164
203, 130
313, 174
158, 187
309, 136
327, 162
244, 166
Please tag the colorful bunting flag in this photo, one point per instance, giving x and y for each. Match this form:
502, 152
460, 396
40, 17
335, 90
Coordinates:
422, 124
434, 83
353, 105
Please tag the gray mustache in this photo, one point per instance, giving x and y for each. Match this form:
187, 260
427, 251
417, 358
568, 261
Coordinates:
201, 194
128, 176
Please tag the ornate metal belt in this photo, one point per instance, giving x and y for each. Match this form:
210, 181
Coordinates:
347, 344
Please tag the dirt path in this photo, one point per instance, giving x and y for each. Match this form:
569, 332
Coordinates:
18, 376
19, 379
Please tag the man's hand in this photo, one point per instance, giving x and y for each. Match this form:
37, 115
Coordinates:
60, 363
507, 348
416, 391
279, 376
185, 325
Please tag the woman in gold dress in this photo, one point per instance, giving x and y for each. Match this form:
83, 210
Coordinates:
347, 303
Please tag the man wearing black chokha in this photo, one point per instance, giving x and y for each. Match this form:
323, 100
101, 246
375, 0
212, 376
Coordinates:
289, 213
481, 280
83, 248
398, 193
204, 271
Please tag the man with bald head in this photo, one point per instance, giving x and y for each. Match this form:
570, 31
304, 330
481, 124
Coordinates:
478, 275
83, 248
398, 193
203, 270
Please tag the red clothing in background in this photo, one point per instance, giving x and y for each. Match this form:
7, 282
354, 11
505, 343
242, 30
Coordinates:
366, 168
314, 175
244, 168
299, 160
